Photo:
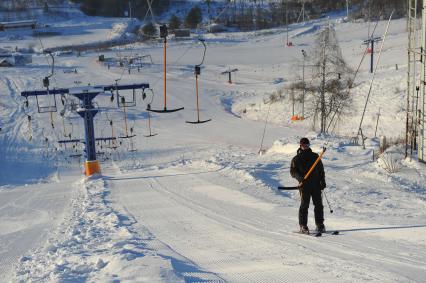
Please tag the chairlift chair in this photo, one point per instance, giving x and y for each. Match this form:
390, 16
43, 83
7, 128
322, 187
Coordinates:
47, 109
121, 100
132, 147
126, 137
46, 84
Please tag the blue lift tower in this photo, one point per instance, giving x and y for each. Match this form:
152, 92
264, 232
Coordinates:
87, 111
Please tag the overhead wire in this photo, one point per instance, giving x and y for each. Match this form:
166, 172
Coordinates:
374, 74
353, 80
325, 145
176, 61
264, 128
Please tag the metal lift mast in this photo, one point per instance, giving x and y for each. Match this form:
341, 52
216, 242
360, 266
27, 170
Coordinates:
421, 106
87, 111
416, 79
412, 72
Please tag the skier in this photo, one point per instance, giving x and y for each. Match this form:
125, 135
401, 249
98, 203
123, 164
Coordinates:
312, 186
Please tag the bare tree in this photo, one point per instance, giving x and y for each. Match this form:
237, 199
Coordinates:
331, 79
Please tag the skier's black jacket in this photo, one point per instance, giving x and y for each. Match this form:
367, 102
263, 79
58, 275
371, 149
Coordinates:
300, 165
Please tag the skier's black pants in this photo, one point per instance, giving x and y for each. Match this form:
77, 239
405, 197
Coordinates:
306, 194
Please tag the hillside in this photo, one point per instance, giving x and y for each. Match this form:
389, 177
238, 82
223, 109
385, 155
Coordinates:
198, 203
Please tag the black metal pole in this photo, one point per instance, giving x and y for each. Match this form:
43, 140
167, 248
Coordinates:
331, 210
372, 56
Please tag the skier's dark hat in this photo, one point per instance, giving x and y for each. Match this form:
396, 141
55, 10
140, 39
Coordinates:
304, 141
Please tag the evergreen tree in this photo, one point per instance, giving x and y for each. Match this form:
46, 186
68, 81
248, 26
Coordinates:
149, 30
90, 7
116, 8
194, 17
174, 22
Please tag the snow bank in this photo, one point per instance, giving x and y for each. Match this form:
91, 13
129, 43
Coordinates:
95, 244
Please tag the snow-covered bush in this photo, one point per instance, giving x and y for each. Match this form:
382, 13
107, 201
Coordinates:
389, 162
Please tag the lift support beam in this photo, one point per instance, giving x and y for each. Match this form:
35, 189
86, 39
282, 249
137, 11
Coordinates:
87, 111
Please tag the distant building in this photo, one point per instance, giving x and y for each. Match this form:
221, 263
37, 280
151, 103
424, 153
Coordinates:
215, 27
23, 59
18, 24
7, 62
15, 59
182, 33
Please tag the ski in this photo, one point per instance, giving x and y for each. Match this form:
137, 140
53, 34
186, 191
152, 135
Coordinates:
319, 234
312, 234
288, 188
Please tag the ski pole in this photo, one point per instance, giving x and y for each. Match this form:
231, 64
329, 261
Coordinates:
331, 210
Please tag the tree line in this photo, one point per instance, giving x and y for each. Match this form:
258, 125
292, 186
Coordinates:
118, 8
243, 14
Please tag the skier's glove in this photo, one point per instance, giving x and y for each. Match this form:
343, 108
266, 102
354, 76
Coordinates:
323, 185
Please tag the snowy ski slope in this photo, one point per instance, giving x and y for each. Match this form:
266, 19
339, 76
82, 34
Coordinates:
197, 203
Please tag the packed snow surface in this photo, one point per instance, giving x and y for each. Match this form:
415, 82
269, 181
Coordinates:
198, 203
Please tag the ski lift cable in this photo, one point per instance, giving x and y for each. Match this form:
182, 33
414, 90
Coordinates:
264, 128
329, 138
47, 60
46, 82
176, 61
350, 87
204, 52
149, 2
224, 9
353, 80
374, 74
375, 26
152, 95
198, 72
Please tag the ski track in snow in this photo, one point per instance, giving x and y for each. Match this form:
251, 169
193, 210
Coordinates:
198, 204
197, 219
92, 244
28, 215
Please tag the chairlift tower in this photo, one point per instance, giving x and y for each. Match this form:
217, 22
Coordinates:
416, 79
419, 109
87, 111
229, 72
371, 42
412, 73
